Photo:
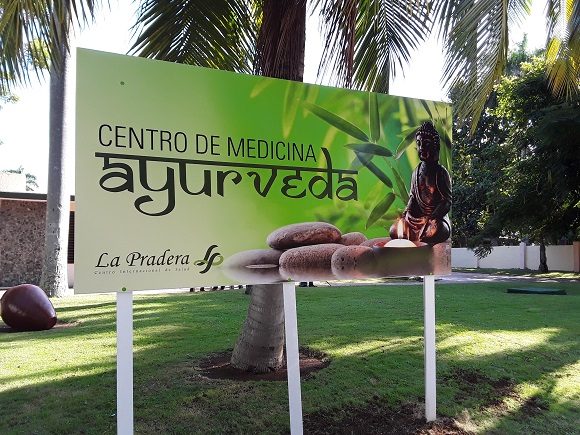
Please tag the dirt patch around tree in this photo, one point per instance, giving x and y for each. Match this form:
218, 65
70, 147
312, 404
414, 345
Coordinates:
491, 393
472, 383
217, 366
377, 417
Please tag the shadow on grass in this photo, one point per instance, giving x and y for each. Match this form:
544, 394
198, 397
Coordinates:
75, 308
373, 336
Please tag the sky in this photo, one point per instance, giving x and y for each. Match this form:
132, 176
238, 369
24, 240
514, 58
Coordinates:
24, 124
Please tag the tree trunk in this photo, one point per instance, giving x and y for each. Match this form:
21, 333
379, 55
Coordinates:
260, 346
281, 43
281, 40
543, 258
54, 279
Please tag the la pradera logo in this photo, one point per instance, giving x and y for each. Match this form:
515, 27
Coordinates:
210, 259
167, 258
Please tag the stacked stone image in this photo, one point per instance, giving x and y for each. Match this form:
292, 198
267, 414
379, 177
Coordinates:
314, 251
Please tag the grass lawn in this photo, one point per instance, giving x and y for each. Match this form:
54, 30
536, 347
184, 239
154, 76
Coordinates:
507, 363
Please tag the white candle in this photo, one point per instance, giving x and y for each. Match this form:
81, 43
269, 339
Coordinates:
400, 228
400, 243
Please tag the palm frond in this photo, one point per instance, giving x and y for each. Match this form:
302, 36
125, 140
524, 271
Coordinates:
24, 23
476, 48
367, 41
552, 18
218, 34
338, 26
563, 51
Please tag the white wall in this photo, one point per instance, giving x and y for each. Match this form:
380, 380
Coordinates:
502, 257
533, 257
463, 257
560, 257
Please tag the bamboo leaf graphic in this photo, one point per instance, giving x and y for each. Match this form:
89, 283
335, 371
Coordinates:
427, 109
390, 216
374, 118
445, 157
311, 95
406, 142
437, 110
369, 148
410, 110
380, 209
366, 160
294, 92
338, 122
356, 164
443, 136
260, 86
408, 131
401, 186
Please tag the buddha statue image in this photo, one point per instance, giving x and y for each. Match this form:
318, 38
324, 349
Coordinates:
424, 218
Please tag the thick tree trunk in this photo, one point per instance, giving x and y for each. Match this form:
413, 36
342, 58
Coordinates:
260, 346
282, 39
543, 258
281, 45
54, 279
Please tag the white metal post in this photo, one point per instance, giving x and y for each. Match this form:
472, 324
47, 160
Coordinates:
125, 363
430, 357
292, 358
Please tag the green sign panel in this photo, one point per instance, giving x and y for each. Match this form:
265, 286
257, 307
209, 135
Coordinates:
188, 176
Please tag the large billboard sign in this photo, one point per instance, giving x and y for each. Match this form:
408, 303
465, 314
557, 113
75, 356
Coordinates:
188, 176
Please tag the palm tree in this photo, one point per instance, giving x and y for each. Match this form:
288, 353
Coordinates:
26, 25
270, 39
54, 279
365, 42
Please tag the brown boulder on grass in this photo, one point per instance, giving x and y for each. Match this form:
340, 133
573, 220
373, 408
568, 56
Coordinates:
27, 308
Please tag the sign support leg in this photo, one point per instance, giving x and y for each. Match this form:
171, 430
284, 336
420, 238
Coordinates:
124, 362
292, 358
430, 358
